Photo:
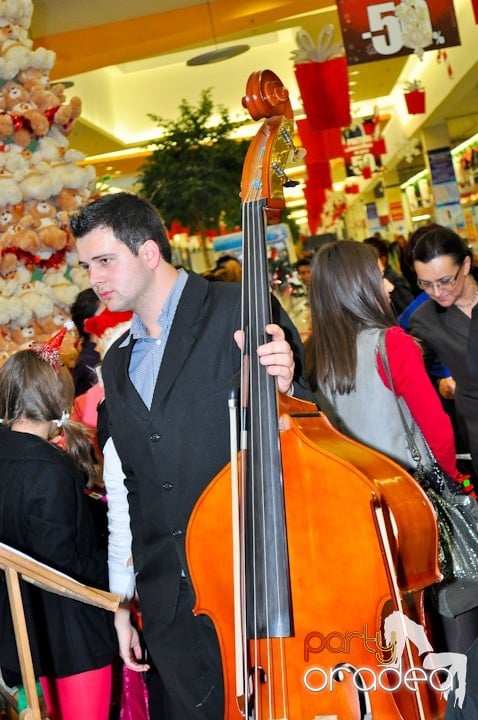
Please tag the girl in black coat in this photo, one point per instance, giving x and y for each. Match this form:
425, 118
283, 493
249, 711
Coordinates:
44, 513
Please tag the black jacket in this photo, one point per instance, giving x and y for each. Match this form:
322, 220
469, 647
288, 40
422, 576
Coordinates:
445, 333
44, 513
172, 452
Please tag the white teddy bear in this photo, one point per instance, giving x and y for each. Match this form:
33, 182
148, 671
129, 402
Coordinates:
10, 191
40, 185
38, 297
80, 277
64, 292
20, 314
18, 11
4, 310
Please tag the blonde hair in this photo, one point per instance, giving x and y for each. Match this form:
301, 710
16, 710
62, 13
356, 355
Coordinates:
32, 389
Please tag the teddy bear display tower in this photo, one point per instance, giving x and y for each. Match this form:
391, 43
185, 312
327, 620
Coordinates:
41, 184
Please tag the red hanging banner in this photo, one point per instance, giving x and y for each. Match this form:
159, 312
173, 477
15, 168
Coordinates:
378, 30
320, 145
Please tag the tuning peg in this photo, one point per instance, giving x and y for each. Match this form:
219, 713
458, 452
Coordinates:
296, 154
286, 182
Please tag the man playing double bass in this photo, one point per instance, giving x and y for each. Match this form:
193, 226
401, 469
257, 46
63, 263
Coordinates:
167, 384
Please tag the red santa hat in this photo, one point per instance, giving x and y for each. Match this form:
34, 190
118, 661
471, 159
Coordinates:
106, 319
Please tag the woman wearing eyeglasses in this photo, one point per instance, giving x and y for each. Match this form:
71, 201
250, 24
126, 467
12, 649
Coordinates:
443, 263
350, 310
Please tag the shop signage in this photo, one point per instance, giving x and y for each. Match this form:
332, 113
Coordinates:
362, 148
379, 30
446, 193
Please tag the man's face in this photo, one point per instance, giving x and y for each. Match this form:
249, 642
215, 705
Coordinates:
118, 277
304, 273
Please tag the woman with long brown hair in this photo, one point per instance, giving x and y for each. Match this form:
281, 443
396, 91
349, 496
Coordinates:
44, 513
350, 309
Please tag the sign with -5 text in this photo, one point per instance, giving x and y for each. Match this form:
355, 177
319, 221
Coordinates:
380, 30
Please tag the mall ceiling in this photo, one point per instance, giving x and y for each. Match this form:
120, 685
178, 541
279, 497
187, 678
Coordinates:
128, 59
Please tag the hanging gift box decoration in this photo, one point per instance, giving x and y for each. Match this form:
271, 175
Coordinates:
321, 74
415, 97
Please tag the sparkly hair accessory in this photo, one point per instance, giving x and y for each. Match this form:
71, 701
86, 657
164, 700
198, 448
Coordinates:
50, 349
61, 421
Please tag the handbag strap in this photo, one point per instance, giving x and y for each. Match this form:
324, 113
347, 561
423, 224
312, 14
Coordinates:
412, 445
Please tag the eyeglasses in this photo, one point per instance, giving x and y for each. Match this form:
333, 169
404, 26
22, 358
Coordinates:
443, 283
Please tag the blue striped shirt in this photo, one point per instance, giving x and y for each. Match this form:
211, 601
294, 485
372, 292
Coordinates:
148, 352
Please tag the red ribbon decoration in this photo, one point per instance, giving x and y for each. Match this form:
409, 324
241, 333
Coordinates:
54, 261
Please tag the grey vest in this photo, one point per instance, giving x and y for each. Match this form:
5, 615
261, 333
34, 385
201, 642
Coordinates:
369, 414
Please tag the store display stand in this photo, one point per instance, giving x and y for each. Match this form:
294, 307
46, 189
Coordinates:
17, 565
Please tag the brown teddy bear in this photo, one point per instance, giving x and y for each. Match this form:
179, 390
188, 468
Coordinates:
70, 200
32, 121
25, 239
10, 215
14, 234
51, 102
41, 217
6, 120
37, 77
8, 262
67, 114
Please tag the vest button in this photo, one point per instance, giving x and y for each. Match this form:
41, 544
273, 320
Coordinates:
167, 486
155, 437
177, 533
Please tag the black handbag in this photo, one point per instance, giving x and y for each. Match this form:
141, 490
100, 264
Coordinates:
457, 520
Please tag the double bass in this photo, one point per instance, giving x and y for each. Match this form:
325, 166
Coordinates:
302, 549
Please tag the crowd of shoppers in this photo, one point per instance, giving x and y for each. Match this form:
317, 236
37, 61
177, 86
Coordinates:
167, 380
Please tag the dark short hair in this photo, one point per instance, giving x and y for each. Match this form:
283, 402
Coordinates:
223, 259
437, 241
381, 246
132, 219
85, 306
303, 262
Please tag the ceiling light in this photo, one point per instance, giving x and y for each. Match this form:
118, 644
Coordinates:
462, 146
218, 54
414, 179
66, 84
